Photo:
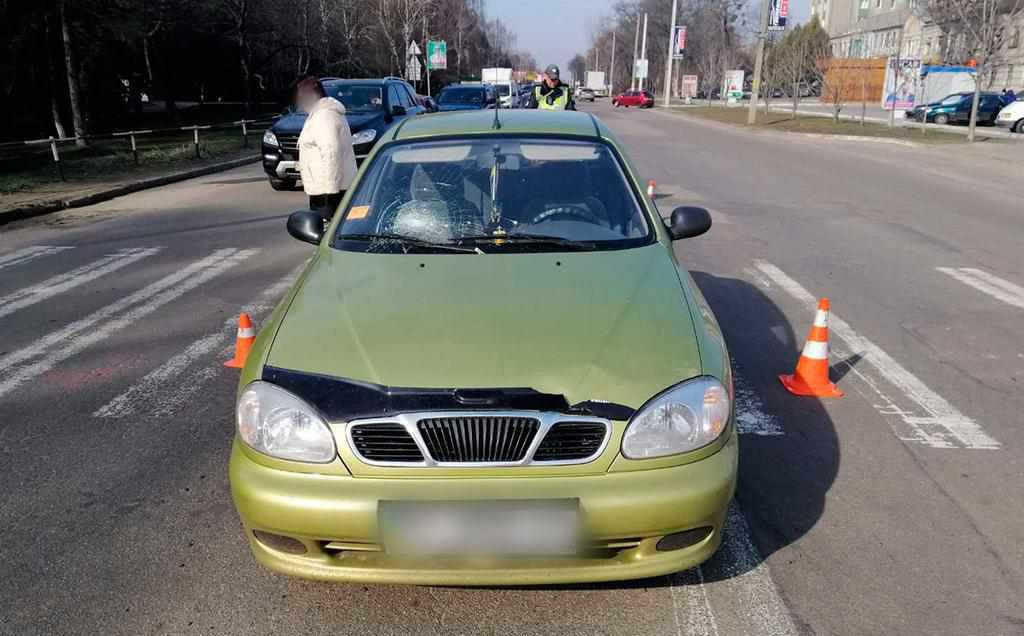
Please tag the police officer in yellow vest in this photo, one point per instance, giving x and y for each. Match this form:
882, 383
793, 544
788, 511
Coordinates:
552, 93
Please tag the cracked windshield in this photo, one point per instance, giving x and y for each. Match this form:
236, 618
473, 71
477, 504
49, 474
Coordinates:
494, 194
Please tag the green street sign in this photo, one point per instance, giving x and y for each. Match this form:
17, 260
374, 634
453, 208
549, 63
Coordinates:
437, 55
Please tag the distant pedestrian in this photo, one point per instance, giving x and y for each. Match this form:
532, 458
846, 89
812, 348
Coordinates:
1009, 97
327, 161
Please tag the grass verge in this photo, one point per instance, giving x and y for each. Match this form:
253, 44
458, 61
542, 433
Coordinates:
112, 160
737, 116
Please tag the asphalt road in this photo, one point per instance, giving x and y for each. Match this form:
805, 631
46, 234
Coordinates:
895, 510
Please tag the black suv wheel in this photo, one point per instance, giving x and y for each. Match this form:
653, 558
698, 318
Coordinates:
282, 185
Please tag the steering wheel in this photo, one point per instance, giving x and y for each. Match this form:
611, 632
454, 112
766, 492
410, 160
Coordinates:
570, 211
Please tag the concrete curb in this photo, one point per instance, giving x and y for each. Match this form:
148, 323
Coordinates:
47, 207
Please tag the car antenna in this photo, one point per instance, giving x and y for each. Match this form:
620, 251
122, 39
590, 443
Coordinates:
497, 122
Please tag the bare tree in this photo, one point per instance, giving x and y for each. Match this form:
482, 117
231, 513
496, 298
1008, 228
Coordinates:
71, 69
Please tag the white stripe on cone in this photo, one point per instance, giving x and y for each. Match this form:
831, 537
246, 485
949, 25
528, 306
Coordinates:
246, 333
821, 318
816, 350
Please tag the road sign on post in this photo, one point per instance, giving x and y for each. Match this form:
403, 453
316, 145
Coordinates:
641, 69
437, 55
413, 67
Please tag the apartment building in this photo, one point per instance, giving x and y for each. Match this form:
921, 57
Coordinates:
880, 28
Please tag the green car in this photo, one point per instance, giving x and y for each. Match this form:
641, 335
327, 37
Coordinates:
493, 370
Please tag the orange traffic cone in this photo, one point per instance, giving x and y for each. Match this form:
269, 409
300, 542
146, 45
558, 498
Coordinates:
243, 343
651, 185
811, 376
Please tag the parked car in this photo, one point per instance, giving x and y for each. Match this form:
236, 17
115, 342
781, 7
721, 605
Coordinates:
642, 99
466, 97
1012, 117
493, 371
524, 94
371, 107
585, 94
956, 108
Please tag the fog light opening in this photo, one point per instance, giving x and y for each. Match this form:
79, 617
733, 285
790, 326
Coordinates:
684, 539
279, 542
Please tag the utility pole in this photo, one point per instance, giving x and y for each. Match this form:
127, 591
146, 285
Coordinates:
611, 70
762, 35
671, 52
896, 76
636, 44
643, 53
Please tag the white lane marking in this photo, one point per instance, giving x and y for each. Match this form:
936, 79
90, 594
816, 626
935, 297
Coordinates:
751, 418
747, 582
24, 255
69, 280
150, 388
79, 335
935, 422
699, 618
739, 575
987, 283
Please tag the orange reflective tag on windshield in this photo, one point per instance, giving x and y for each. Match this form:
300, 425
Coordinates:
358, 212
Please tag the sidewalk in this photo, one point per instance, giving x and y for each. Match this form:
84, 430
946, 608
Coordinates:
61, 195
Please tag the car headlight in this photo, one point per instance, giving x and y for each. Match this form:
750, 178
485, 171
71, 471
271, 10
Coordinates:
270, 138
277, 423
364, 136
681, 419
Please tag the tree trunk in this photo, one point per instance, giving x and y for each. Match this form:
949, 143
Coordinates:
54, 106
71, 69
796, 96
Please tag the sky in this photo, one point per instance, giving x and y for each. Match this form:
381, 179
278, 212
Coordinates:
556, 30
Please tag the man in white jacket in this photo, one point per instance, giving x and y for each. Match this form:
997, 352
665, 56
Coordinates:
327, 161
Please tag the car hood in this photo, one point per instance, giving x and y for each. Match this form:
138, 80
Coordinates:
612, 326
445, 108
293, 122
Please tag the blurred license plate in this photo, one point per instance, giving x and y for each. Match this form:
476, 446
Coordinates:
547, 527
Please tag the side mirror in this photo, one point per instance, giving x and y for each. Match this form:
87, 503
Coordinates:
688, 221
307, 226
398, 111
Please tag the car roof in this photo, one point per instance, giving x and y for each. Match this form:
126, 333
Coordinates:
368, 80
513, 122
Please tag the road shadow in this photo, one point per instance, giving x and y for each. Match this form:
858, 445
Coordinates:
783, 479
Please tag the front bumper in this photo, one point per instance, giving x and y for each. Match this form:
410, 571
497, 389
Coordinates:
626, 513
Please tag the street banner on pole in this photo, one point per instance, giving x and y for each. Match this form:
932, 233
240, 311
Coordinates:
689, 86
437, 55
778, 11
901, 79
679, 41
641, 69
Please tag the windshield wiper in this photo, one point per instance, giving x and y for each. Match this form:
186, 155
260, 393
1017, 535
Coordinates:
409, 241
531, 239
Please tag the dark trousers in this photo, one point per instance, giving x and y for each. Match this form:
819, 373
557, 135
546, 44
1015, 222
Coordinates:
325, 204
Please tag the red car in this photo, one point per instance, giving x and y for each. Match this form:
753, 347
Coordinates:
643, 99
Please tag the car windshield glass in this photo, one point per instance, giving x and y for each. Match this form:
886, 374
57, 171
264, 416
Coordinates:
357, 98
504, 90
494, 195
461, 96
952, 99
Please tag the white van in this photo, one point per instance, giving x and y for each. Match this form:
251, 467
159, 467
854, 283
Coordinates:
1012, 117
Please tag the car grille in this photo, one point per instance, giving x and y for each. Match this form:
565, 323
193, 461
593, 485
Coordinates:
289, 143
478, 438
386, 443
570, 440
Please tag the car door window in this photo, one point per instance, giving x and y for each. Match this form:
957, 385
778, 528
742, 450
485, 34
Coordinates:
393, 97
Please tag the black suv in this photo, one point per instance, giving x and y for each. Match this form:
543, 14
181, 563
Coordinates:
371, 107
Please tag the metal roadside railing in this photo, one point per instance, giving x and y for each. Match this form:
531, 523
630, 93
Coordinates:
132, 138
